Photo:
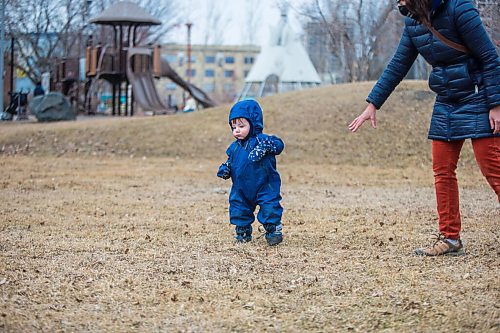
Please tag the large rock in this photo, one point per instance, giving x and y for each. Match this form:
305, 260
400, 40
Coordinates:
53, 106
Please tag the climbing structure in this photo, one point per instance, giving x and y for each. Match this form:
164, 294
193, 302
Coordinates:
124, 63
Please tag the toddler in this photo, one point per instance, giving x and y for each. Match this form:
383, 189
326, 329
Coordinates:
251, 165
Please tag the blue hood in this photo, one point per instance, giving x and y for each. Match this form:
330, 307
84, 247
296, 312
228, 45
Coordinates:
250, 110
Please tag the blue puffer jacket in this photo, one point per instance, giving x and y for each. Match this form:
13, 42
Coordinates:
467, 85
251, 165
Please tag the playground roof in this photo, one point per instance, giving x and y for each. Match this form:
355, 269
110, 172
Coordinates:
125, 13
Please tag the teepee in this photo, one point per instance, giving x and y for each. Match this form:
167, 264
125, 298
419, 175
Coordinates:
283, 65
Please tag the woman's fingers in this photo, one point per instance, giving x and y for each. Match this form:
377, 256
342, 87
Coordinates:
495, 119
496, 127
374, 121
353, 123
353, 127
369, 113
356, 123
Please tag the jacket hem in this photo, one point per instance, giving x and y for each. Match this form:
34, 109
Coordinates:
462, 137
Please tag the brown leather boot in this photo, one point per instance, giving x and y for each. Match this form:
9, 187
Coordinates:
441, 247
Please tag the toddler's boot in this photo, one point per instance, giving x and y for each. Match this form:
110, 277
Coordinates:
243, 234
273, 233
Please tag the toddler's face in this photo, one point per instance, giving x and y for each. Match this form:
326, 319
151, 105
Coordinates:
241, 128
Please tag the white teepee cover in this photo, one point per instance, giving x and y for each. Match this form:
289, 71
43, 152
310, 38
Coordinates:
285, 58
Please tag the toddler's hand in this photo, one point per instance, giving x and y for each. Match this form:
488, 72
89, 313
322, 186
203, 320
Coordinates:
269, 146
224, 171
262, 149
258, 153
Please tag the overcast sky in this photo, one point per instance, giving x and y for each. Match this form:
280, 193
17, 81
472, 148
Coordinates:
233, 22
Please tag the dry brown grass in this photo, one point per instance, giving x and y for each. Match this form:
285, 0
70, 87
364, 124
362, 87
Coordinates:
119, 225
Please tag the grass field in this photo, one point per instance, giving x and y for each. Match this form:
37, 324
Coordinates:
120, 225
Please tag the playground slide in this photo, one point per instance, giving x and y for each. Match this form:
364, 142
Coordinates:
144, 88
143, 85
145, 92
198, 94
148, 83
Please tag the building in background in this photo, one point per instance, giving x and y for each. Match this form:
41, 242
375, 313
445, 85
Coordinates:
219, 70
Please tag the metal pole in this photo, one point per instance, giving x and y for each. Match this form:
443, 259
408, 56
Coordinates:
189, 25
188, 74
11, 83
2, 37
120, 70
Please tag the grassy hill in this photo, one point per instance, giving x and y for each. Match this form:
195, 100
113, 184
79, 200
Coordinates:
313, 124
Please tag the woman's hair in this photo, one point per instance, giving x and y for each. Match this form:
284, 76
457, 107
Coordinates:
421, 9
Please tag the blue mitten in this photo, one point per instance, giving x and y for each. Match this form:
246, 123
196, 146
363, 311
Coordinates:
269, 145
224, 171
257, 153
264, 147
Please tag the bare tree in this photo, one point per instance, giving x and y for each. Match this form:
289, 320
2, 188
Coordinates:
216, 23
252, 21
354, 28
42, 30
168, 12
48, 29
363, 34
369, 19
490, 13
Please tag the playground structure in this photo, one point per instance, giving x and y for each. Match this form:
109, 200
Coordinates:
129, 68
125, 64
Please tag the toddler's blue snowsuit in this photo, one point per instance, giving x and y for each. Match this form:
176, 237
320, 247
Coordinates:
251, 164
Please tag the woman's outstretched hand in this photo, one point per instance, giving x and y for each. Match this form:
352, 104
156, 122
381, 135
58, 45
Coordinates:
495, 119
369, 113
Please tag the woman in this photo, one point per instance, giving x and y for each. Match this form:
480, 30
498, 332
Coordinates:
467, 106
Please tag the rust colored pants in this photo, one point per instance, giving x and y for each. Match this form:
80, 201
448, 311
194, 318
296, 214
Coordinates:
445, 156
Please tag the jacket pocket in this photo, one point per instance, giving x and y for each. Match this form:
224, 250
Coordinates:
437, 81
459, 80
452, 83
475, 72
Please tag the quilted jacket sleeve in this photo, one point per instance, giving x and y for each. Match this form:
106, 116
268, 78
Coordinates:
397, 69
476, 39
230, 150
225, 168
